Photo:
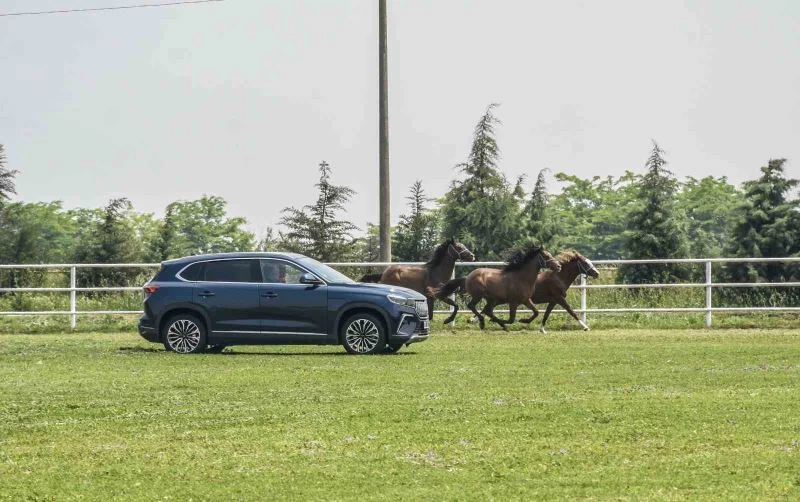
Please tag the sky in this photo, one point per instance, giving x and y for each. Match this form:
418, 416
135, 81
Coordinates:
244, 98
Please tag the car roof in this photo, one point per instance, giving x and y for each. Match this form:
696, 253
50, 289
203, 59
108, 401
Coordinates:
228, 256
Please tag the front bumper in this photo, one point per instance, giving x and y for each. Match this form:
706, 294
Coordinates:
412, 329
417, 338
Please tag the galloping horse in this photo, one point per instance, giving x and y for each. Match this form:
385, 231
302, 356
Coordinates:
426, 278
514, 284
551, 287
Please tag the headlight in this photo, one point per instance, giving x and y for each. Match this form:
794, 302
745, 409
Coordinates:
406, 302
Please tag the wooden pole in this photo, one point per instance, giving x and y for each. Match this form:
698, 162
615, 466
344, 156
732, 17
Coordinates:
383, 120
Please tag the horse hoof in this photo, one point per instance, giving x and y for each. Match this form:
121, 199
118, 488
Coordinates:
542, 330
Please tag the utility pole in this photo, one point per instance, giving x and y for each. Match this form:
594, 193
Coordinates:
383, 126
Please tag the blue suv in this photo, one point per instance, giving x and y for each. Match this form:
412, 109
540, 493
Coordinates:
205, 303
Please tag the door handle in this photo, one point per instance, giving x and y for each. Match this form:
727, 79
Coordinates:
269, 294
206, 293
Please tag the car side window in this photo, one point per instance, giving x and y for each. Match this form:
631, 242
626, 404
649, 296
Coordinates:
279, 271
231, 271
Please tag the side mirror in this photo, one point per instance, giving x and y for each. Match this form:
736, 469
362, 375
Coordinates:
309, 278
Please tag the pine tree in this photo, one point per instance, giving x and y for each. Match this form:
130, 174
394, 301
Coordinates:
540, 226
768, 226
315, 228
482, 210
417, 234
656, 228
7, 187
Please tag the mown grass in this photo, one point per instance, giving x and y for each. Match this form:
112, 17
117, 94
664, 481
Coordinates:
616, 414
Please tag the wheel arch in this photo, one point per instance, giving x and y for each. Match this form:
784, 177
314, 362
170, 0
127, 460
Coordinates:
183, 309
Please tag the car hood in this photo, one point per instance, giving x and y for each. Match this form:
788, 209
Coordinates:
382, 289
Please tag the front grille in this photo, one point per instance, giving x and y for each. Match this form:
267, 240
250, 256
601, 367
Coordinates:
421, 307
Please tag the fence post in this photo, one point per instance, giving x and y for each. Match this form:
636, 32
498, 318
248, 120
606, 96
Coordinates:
583, 298
73, 304
708, 294
452, 297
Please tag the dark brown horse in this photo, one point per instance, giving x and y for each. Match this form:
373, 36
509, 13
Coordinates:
514, 284
551, 287
426, 278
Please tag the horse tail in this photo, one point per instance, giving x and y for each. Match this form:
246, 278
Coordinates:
371, 278
450, 287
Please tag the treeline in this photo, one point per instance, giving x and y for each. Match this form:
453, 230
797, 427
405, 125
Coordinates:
643, 215
648, 214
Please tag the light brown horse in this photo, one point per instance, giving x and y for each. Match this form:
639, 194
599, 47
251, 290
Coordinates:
426, 278
514, 284
551, 287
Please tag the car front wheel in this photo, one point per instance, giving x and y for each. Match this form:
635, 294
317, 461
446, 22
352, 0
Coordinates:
185, 334
363, 334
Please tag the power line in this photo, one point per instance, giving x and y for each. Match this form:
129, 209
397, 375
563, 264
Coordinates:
118, 7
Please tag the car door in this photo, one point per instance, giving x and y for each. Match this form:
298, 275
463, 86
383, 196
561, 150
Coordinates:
228, 291
291, 312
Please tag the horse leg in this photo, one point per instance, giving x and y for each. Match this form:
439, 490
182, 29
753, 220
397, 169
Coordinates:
511, 317
471, 305
452, 315
483, 311
529, 303
563, 303
546, 315
488, 311
430, 308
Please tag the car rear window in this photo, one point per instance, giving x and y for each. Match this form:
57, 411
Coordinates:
193, 272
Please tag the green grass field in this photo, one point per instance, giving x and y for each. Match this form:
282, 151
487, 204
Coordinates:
609, 414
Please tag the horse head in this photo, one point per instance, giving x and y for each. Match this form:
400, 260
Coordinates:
586, 267
582, 264
547, 261
459, 251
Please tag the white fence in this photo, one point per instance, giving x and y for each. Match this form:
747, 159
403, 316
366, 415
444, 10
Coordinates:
583, 286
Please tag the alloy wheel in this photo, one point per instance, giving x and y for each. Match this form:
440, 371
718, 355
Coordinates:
362, 335
183, 336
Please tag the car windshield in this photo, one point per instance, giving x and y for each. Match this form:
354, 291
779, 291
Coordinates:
325, 272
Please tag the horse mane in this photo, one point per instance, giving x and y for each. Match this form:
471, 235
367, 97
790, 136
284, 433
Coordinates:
568, 256
520, 258
439, 253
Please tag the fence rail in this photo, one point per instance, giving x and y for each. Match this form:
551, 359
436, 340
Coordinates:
583, 286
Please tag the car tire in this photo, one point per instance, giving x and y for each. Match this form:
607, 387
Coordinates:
184, 334
363, 333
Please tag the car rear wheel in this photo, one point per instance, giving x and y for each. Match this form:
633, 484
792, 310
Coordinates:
185, 334
363, 333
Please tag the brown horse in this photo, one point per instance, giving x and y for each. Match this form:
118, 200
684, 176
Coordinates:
426, 278
551, 287
514, 284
